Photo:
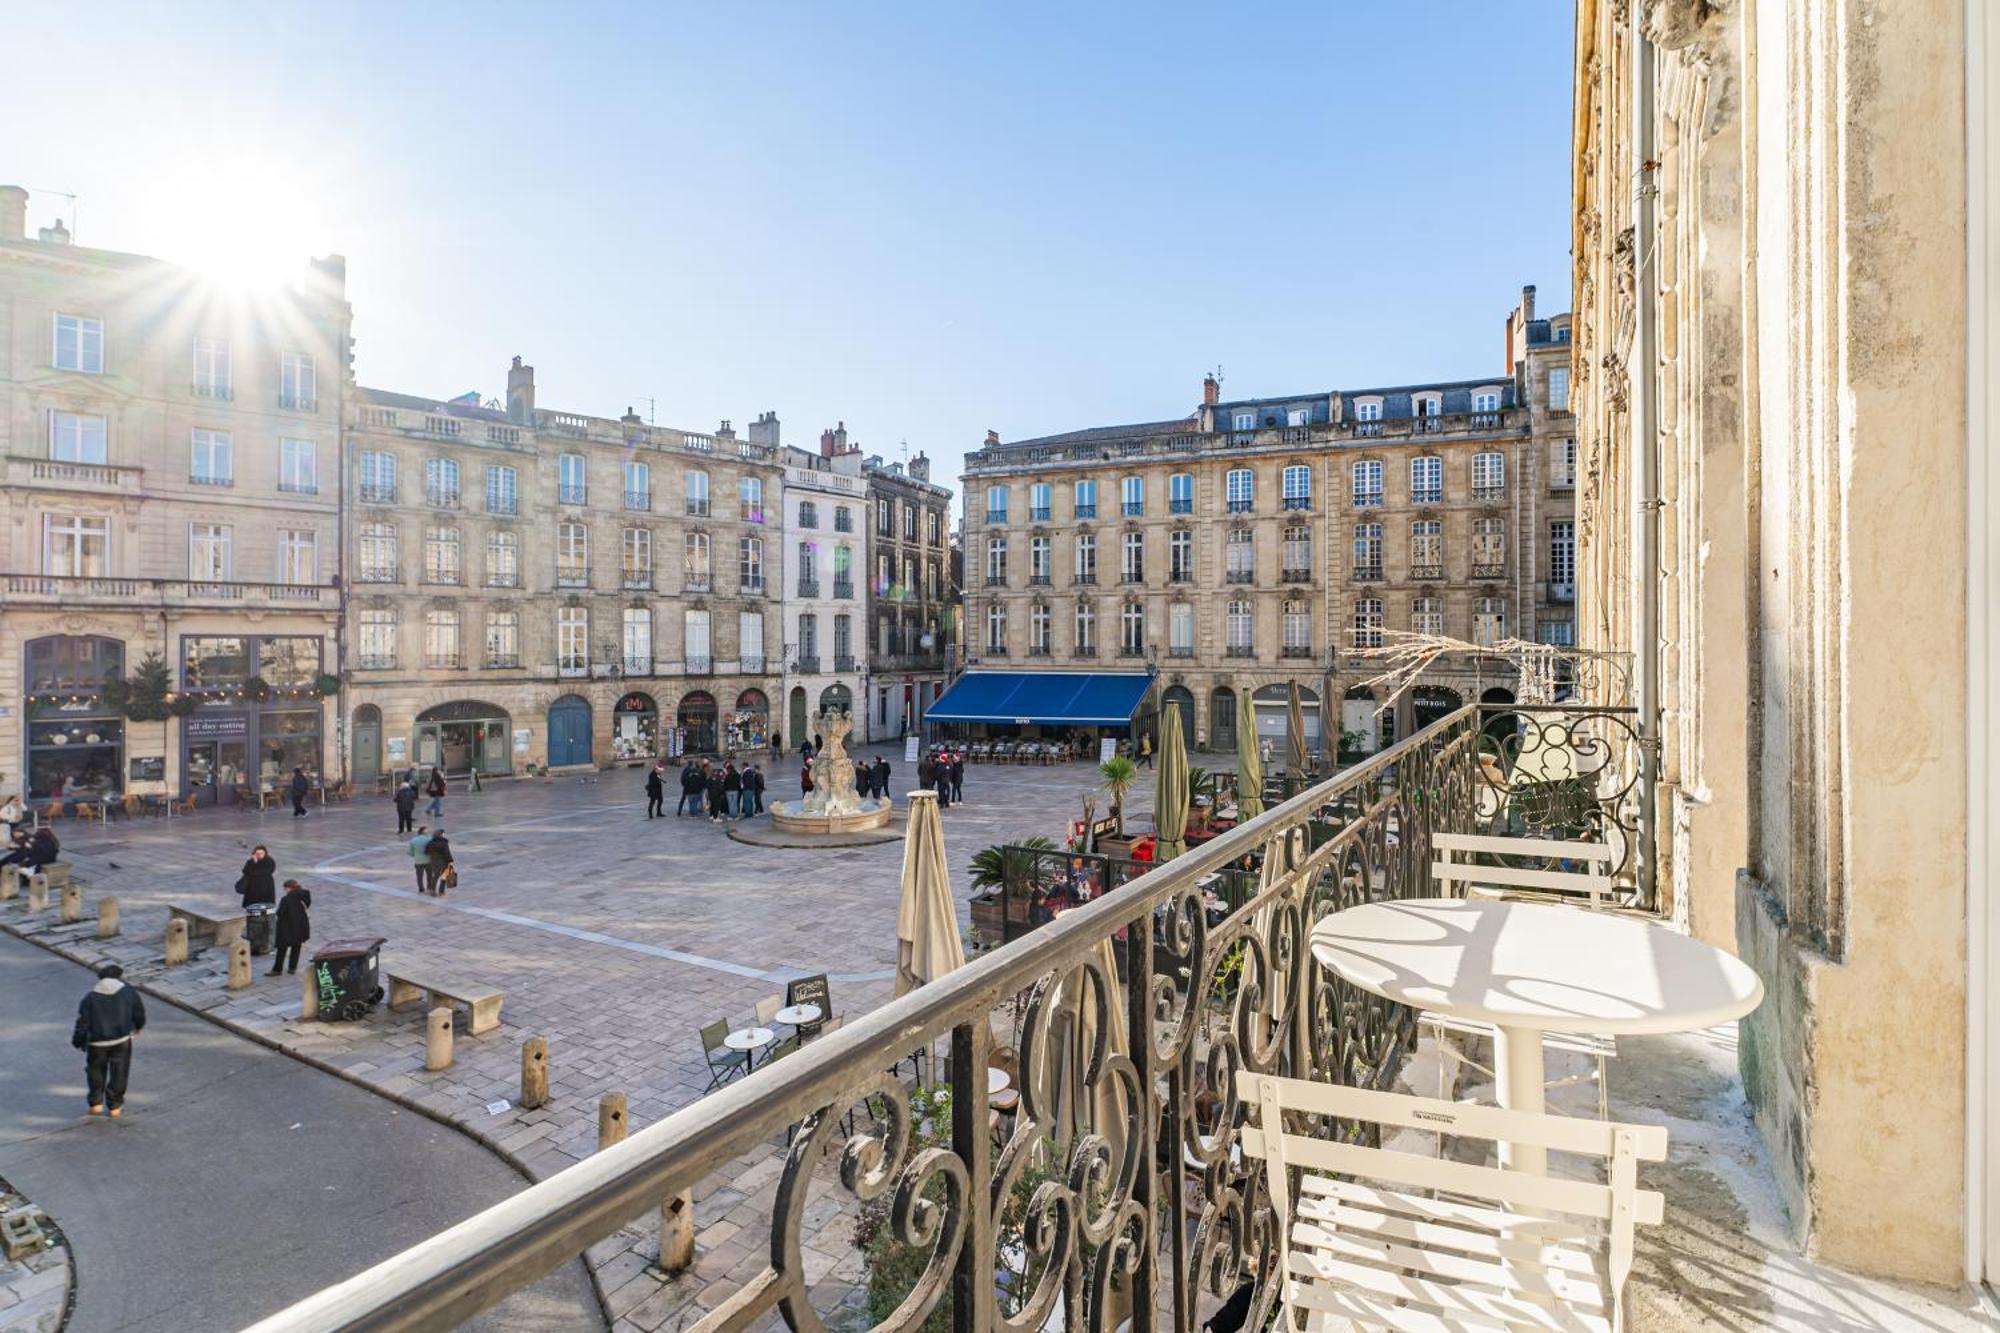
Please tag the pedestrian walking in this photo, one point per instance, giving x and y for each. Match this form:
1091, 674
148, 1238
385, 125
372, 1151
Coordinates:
299, 789
656, 792
437, 790
777, 747
806, 778
688, 789
753, 791
259, 881
106, 1021
958, 777
406, 807
1146, 749
444, 874
294, 927
882, 778
718, 797
420, 857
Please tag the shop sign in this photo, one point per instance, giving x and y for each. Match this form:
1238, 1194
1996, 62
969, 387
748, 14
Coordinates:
635, 703
213, 726
399, 749
520, 740
149, 768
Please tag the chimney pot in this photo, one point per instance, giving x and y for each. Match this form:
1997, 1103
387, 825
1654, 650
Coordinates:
521, 393
13, 213
993, 437
1527, 304
1211, 390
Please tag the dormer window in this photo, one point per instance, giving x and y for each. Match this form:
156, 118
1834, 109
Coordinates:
1246, 421
1368, 409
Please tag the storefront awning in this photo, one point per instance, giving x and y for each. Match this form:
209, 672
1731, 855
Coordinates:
1045, 698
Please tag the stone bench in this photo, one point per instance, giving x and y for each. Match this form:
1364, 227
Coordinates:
53, 876
207, 922
483, 1001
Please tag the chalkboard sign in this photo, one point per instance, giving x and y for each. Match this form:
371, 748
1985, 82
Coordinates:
811, 990
149, 768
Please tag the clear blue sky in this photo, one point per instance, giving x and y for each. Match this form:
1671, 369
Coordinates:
927, 220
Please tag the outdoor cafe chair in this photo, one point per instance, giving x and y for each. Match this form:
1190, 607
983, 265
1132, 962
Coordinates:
767, 1009
1390, 1238
723, 1063
1588, 887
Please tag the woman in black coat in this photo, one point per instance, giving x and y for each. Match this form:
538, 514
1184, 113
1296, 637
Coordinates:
259, 883
294, 927
438, 852
717, 795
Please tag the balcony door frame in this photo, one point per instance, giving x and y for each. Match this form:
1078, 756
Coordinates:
1982, 713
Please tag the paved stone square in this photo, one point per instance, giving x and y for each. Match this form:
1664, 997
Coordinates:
613, 937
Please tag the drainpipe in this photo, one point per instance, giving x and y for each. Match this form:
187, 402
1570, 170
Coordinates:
1646, 442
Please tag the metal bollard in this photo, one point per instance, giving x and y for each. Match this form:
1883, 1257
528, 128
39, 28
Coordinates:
610, 1120
309, 996
677, 1233
437, 1042
177, 941
72, 904
107, 918
534, 1072
239, 965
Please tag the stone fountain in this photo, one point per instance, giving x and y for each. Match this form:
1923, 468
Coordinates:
832, 806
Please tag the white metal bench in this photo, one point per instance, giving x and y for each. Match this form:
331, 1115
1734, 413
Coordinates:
1401, 1240
483, 1001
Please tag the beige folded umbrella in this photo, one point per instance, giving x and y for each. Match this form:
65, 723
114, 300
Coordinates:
1249, 766
1170, 801
927, 942
1295, 734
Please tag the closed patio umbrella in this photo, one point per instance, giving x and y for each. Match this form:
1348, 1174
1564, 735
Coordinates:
927, 942
1295, 732
1249, 768
1170, 799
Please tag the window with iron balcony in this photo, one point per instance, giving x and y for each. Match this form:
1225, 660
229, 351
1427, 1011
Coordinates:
1368, 573
1298, 502
1086, 511
1489, 493
808, 587
438, 497
1240, 576
843, 587
570, 495
1039, 514
841, 663
1296, 576
1242, 506
1426, 572
1368, 499
1240, 650
1296, 650
1489, 571
639, 500
378, 493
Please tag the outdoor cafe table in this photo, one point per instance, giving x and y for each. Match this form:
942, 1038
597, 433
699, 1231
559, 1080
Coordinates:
797, 1015
1530, 968
750, 1041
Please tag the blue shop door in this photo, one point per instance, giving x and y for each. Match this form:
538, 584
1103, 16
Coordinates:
569, 731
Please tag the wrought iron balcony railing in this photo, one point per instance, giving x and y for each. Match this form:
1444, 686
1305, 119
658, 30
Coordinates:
1140, 1126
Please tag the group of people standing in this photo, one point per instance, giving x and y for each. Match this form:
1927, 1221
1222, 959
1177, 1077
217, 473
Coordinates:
258, 885
872, 779
720, 791
406, 798
945, 775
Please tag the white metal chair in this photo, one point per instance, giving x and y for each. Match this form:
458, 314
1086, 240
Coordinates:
1589, 888
1400, 1240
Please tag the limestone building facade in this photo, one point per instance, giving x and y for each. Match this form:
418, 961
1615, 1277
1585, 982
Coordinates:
542, 587
909, 623
1786, 515
825, 527
173, 459
1258, 542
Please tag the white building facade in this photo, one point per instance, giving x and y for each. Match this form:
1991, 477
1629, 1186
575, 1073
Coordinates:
825, 563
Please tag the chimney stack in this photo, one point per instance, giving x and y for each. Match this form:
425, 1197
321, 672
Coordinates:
13, 213
920, 467
521, 393
1211, 390
631, 418
725, 431
1527, 305
56, 235
826, 444
992, 437
764, 430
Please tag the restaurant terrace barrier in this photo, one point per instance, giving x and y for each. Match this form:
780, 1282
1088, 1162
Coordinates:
1117, 1189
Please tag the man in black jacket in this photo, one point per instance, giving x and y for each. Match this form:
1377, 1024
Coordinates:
105, 1023
406, 807
656, 792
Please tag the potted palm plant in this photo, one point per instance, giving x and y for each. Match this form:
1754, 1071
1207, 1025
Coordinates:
992, 869
1119, 773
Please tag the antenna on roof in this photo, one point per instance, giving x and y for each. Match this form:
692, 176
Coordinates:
1218, 373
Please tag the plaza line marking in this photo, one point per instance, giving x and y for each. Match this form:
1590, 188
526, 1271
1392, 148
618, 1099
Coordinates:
327, 870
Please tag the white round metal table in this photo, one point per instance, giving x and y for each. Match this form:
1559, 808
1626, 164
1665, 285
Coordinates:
750, 1041
1530, 968
996, 1080
796, 1015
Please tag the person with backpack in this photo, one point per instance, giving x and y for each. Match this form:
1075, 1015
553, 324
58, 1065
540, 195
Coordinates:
106, 1021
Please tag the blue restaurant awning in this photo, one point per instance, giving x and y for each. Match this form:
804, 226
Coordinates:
1046, 698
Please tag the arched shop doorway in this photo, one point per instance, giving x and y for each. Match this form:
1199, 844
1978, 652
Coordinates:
1176, 697
367, 745
1272, 705
750, 725
696, 721
1430, 703
569, 731
798, 717
1358, 732
1496, 722
465, 734
1222, 719
635, 727
836, 699
76, 739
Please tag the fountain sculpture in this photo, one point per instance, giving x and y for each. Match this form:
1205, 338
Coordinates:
832, 806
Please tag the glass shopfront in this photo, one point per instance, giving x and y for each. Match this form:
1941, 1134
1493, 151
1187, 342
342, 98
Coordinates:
461, 735
635, 727
750, 724
75, 741
260, 714
697, 723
